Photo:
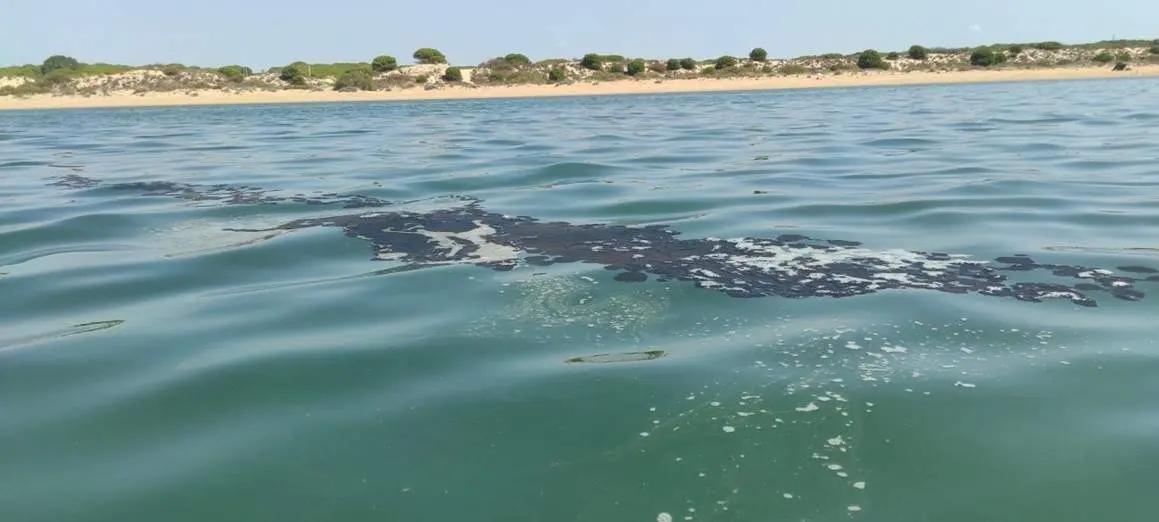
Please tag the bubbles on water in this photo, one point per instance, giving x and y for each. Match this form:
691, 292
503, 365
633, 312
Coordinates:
796, 416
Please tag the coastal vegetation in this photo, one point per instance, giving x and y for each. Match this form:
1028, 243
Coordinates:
871, 59
986, 57
383, 63
65, 75
429, 56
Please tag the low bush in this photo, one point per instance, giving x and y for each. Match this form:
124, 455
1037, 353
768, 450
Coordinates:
1123, 56
688, 64
453, 74
1015, 50
1104, 57
355, 80
725, 62
832, 56
235, 73
636, 67
57, 62
986, 57
673, 65
57, 77
1154, 49
173, 69
422, 78
592, 61
1048, 46
758, 55
918, 52
27, 71
517, 60
427, 55
659, 67
871, 59
384, 63
792, 69
556, 75
294, 74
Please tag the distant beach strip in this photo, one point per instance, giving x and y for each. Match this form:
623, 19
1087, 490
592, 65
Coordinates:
65, 82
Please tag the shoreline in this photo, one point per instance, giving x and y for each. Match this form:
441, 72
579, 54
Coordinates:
621, 87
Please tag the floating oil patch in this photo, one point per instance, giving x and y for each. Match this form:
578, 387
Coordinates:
76, 329
609, 358
790, 265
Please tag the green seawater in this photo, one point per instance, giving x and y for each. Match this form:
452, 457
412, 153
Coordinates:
156, 366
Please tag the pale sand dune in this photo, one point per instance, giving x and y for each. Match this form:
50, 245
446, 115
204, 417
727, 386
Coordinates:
211, 97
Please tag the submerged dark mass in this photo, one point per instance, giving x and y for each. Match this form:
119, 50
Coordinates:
790, 265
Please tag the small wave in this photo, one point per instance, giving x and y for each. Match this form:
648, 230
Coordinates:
76, 329
610, 358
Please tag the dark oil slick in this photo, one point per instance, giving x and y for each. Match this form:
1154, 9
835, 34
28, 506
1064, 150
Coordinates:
789, 265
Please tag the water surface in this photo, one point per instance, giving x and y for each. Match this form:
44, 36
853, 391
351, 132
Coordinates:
157, 365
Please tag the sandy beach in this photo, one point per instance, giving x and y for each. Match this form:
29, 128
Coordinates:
862, 79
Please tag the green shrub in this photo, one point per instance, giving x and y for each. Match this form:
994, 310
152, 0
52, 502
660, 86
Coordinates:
57, 62
592, 61
1154, 49
422, 78
893, 56
985, 57
832, 56
1048, 46
355, 80
1015, 50
234, 73
688, 64
102, 68
294, 74
517, 60
556, 75
58, 77
658, 67
24, 89
918, 52
384, 63
725, 62
612, 58
1123, 56
636, 67
792, 69
614, 68
429, 56
673, 64
27, 71
1104, 57
871, 59
173, 69
758, 55
453, 74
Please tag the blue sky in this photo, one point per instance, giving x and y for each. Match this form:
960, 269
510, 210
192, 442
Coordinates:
262, 33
